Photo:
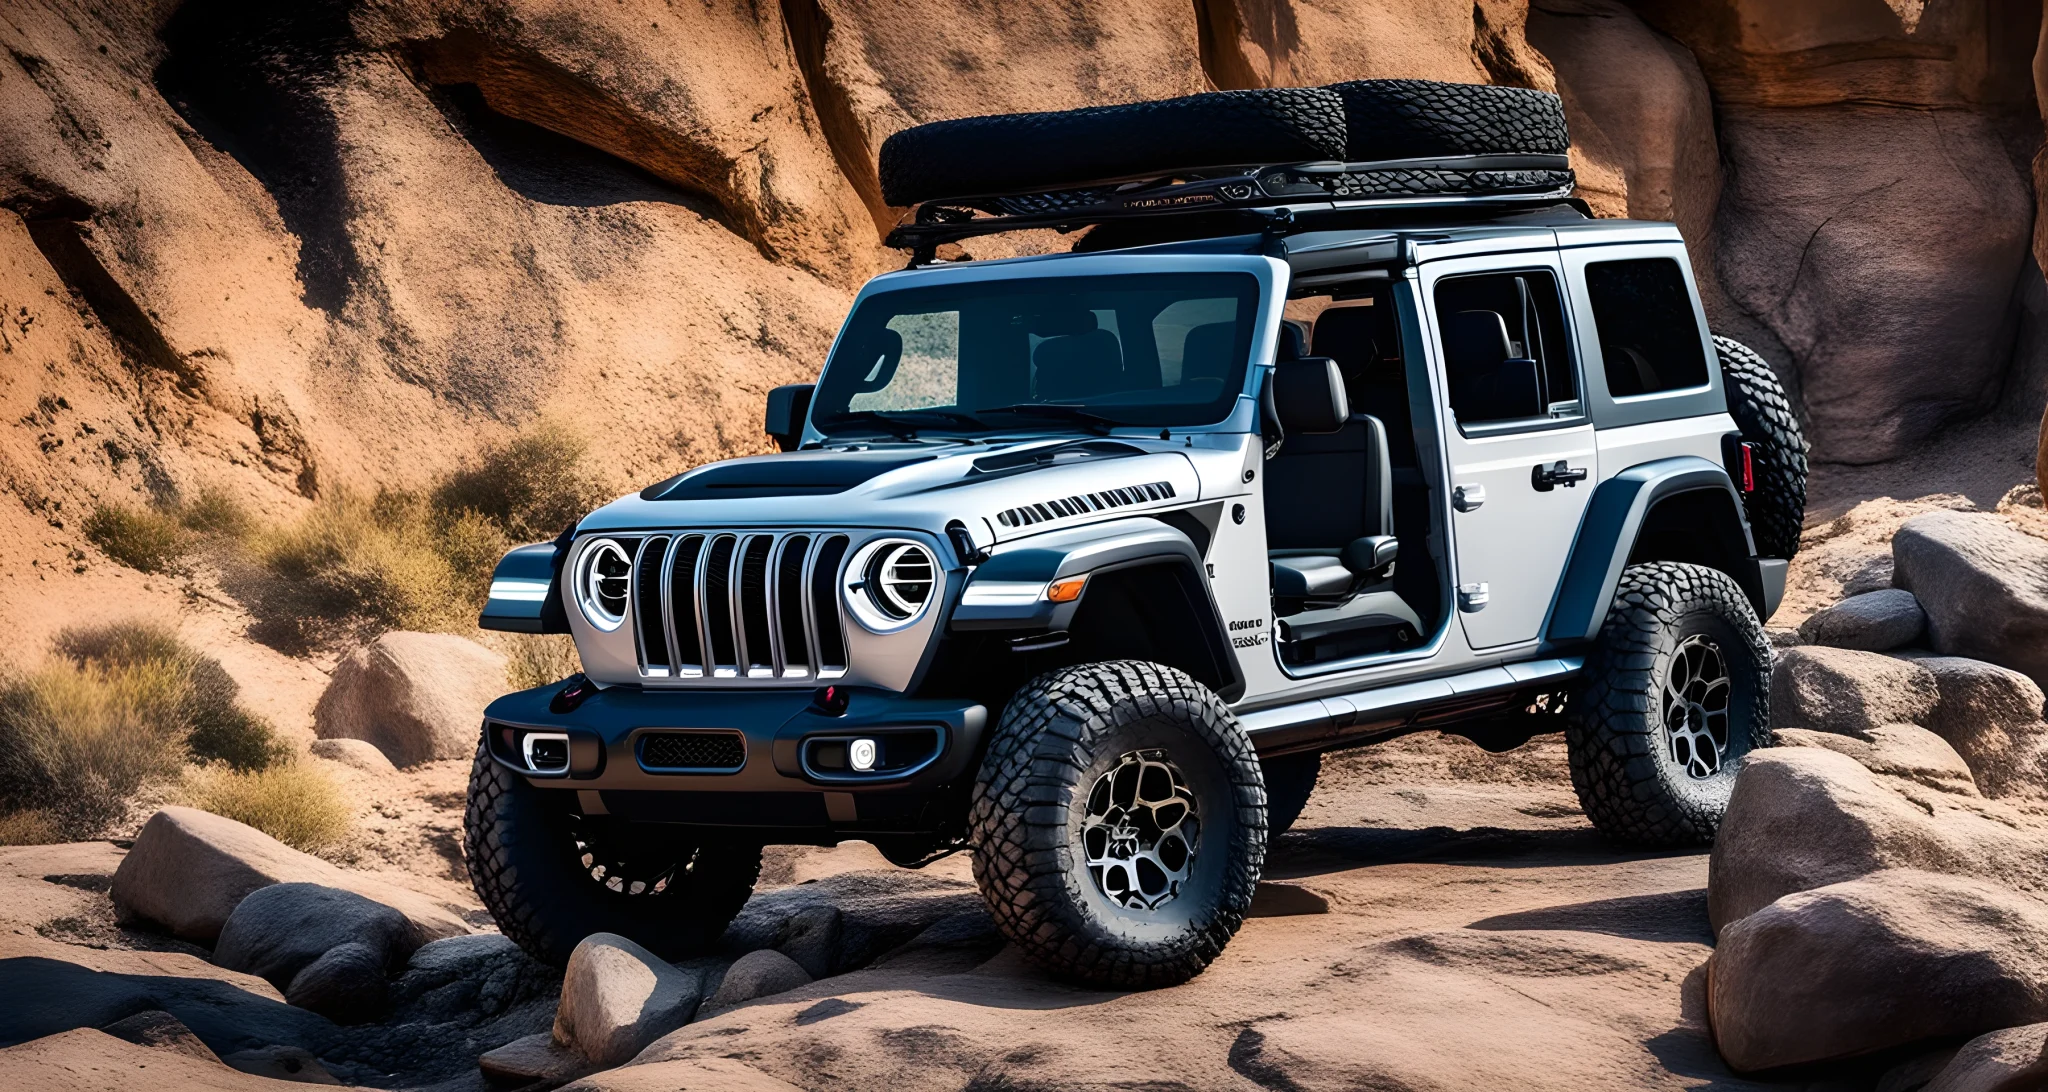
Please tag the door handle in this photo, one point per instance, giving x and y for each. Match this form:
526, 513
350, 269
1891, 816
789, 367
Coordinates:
1467, 497
1546, 478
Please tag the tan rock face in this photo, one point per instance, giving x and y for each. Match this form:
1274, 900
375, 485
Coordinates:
416, 696
1895, 750
1845, 691
2007, 1060
617, 997
1984, 586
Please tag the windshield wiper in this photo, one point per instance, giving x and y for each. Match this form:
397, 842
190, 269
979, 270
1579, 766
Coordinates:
902, 424
1094, 421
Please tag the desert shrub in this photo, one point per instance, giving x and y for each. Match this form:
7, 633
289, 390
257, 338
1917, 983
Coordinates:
292, 802
148, 539
353, 566
77, 741
219, 729
30, 827
217, 511
537, 660
531, 487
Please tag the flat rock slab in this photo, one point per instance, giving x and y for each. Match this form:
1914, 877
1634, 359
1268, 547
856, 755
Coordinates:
87, 1060
1274, 899
1875, 621
534, 1058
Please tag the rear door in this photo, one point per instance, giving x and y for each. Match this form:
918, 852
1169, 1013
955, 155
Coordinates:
1519, 444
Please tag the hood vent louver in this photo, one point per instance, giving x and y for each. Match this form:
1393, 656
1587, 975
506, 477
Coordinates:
1026, 515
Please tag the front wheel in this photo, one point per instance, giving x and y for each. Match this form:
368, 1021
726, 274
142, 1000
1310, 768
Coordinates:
1675, 695
1119, 824
551, 876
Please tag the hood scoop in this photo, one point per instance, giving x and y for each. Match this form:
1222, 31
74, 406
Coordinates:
793, 474
1010, 462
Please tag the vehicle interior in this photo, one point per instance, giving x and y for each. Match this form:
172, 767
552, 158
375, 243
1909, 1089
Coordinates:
1356, 562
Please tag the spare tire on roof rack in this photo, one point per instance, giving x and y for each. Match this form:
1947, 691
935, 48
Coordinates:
1366, 140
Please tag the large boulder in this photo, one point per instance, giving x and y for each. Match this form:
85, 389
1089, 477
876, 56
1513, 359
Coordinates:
1874, 963
1984, 585
1895, 750
189, 869
1991, 715
1846, 691
2007, 1060
278, 931
417, 696
617, 997
1875, 621
346, 984
1804, 817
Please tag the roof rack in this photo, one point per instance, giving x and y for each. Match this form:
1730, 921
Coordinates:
1471, 181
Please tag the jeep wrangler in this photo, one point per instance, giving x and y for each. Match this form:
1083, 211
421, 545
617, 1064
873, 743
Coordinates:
1082, 560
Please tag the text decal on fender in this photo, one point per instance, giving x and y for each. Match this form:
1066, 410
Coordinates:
1247, 632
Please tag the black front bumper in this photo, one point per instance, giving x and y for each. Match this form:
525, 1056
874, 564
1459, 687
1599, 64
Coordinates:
782, 742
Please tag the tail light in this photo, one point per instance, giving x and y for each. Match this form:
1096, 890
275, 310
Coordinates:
1748, 468
1739, 459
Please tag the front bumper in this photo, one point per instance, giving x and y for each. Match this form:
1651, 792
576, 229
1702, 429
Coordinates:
783, 775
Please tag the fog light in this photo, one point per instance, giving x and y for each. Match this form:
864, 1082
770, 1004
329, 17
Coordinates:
861, 755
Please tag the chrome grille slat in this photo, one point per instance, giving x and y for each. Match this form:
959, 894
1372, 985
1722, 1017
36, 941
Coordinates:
716, 614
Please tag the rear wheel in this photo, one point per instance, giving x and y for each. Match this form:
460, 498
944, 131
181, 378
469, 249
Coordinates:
1675, 695
551, 876
1119, 824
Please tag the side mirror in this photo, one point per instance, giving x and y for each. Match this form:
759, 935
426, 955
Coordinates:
1308, 395
788, 407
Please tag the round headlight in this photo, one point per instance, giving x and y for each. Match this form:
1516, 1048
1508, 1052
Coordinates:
604, 576
891, 583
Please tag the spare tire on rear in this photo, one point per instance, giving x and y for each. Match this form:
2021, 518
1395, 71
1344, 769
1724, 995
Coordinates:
1417, 119
1777, 505
1009, 153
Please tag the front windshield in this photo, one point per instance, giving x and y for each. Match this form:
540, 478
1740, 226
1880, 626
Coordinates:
1090, 352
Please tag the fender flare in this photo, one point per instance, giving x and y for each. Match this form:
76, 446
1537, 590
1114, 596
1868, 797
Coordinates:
1006, 592
1608, 533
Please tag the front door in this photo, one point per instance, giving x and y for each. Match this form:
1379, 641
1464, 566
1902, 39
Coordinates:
1520, 447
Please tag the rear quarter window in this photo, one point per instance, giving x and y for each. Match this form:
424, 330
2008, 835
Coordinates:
1649, 334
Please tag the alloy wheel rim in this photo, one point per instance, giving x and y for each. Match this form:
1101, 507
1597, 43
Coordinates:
1696, 699
622, 872
1138, 836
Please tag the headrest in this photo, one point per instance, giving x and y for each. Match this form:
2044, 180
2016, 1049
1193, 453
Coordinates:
1206, 354
1476, 339
1078, 365
1293, 340
1308, 395
1345, 334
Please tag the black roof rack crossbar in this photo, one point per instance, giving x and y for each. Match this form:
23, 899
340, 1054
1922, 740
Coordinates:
1479, 181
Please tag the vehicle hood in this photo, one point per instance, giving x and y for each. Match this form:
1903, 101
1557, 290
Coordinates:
999, 491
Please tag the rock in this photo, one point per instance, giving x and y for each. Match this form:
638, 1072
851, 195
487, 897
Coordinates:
811, 938
1890, 959
532, 1059
346, 985
758, 974
189, 869
283, 1063
878, 911
88, 1060
469, 980
688, 1075
417, 696
1273, 899
1913, 1074
1897, 750
617, 997
1991, 715
2007, 1060
1983, 584
1875, 621
1803, 817
280, 930
162, 1031
1847, 692
360, 753
950, 945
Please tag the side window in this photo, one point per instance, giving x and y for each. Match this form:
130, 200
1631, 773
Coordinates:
1649, 336
1507, 356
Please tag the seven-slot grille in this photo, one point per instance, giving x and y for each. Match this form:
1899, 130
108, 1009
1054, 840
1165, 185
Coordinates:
739, 605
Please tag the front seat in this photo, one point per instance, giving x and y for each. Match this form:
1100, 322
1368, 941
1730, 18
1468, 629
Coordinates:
1075, 367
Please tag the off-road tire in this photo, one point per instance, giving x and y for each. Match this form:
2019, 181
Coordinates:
1290, 781
1057, 738
1413, 119
1619, 740
1007, 153
1777, 506
524, 864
